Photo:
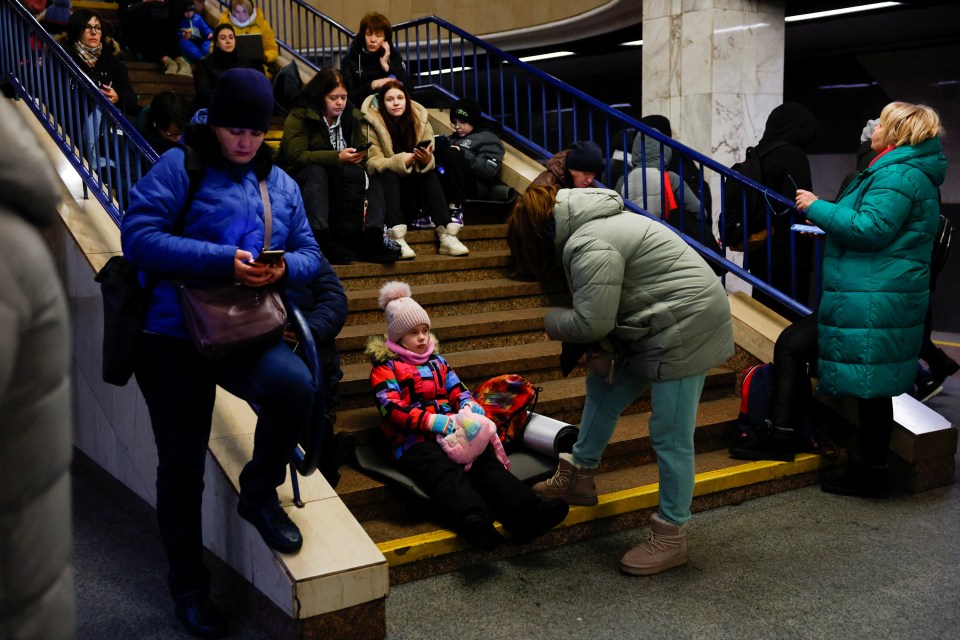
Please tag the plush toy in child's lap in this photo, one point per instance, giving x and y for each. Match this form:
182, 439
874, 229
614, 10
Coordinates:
472, 434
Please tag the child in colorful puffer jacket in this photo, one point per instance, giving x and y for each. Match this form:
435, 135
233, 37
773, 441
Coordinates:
418, 395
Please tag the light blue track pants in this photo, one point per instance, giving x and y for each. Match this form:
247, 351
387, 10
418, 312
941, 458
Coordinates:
672, 424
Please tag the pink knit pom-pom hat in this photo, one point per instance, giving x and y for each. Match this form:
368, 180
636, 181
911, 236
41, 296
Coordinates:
403, 313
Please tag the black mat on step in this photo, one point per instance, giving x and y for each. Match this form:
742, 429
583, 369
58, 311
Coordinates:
375, 459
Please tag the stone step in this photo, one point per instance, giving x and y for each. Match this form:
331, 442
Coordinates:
427, 269
561, 399
476, 237
452, 299
469, 331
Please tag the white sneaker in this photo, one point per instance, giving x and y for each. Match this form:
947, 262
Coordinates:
449, 244
397, 233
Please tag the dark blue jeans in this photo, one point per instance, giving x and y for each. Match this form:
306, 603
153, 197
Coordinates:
179, 386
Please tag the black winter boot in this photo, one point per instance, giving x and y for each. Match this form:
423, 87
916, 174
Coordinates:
339, 250
539, 518
373, 249
478, 530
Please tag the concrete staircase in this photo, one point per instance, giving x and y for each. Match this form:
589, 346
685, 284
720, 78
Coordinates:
488, 324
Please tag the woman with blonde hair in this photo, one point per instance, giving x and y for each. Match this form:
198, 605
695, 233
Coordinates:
876, 281
650, 314
246, 20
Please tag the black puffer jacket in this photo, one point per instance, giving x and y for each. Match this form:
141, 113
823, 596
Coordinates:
109, 70
362, 67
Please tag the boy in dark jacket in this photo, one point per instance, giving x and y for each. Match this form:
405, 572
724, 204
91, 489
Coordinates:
471, 157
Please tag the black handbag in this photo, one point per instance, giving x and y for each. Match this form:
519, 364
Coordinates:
224, 319
124, 316
125, 300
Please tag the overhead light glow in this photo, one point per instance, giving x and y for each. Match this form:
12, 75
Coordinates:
440, 71
743, 27
839, 12
547, 56
632, 43
852, 85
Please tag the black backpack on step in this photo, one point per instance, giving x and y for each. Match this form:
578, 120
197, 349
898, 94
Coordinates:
753, 438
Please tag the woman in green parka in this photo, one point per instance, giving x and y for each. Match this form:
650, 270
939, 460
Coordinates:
876, 281
654, 316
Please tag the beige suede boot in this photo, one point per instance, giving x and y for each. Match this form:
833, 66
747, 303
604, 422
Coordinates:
666, 548
571, 483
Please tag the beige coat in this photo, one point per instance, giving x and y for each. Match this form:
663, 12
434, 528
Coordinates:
381, 157
36, 576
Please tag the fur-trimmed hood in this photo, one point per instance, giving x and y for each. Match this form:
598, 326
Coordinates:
378, 351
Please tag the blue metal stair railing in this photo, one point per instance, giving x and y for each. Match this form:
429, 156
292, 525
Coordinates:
546, 115
102, 145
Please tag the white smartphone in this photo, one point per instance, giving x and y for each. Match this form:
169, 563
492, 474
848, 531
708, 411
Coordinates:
808, 228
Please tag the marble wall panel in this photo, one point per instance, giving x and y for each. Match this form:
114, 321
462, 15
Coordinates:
718, 75
694, 69
655, 67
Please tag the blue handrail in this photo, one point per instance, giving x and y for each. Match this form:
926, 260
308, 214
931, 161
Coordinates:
106, 150
546, 115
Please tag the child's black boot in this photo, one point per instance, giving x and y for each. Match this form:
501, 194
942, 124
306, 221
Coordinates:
538, 518
478, 530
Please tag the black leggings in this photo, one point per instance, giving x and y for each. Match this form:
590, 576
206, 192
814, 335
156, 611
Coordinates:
794, 357
794, 360
405, 195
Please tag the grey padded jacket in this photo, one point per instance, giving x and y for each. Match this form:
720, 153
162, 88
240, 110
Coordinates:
36, 578
636, 282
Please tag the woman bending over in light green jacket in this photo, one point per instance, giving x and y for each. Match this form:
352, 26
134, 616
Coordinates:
650, 314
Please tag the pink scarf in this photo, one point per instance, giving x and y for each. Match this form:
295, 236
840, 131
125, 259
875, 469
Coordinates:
409, 356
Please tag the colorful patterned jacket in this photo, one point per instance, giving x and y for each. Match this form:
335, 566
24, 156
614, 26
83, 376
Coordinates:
407, 395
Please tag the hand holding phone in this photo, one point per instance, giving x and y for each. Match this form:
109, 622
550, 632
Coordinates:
423, 144
270, 257
362, 147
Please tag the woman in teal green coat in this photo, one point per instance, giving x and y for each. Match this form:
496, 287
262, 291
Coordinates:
876, 278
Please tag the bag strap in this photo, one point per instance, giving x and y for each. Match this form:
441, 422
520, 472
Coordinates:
267, 216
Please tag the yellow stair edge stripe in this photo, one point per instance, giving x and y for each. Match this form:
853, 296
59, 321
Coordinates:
443, 541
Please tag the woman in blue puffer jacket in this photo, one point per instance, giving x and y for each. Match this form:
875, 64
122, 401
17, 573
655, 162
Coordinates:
876, 281
221, 232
